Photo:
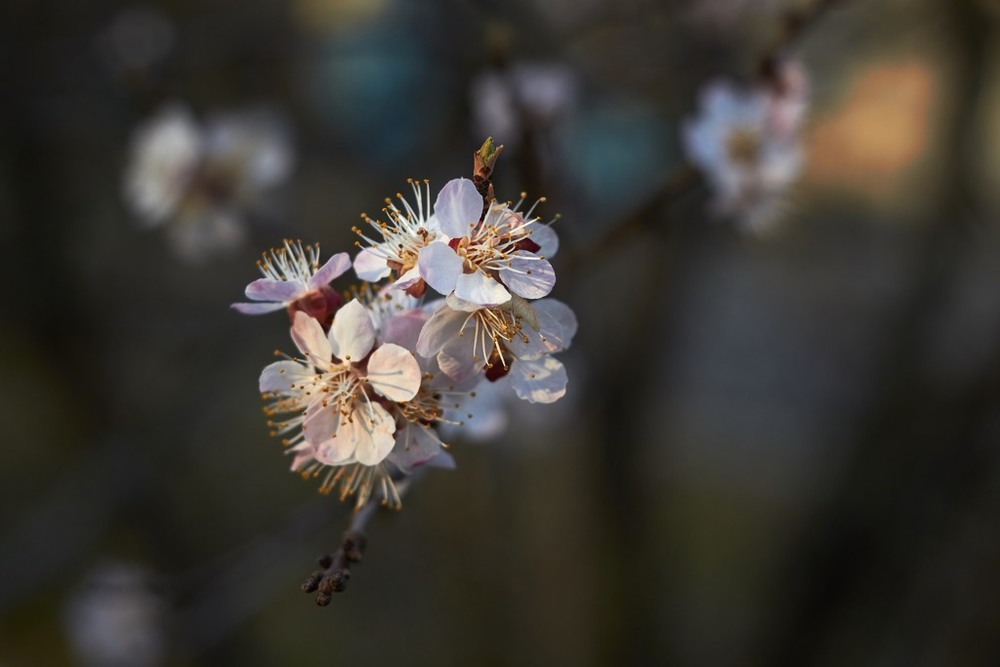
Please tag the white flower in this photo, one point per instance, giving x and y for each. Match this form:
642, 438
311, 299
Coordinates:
292, 274
340, 392
747, 145
515, 339
203, 178
486, 261
409, 229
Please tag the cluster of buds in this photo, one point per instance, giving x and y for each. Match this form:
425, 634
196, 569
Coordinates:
384, 365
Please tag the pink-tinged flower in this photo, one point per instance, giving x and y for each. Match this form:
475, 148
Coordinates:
515, 339
200, 179
747, 144
486, 260
410, 227
294, 280
342, 394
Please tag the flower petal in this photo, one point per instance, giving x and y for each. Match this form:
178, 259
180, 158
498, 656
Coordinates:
334, 268
404, 329
257, 308
281, 375
540, 381
480, 288
416, 444
528, 276
268, 289
458, 207
443, 325
352, 333
335, 451
370, 267
407, 279
458, 359
546, 238
321, 423
553, 331
394, 373
372, 432
440, 266
310, 338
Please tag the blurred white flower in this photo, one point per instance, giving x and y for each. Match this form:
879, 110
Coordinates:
747, 144
201, 180
536, 93
116, 619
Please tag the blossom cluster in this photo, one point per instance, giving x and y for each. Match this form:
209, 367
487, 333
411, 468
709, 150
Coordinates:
383, 366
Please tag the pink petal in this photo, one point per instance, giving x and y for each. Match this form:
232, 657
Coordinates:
404, 329
353, 332
394, 373
529, 276
310, 338
458, 207
480, 288
266, 289
415, 445
257, 308
334, 268
440, 266
321, 423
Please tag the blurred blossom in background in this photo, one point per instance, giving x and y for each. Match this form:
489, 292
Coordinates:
773, 449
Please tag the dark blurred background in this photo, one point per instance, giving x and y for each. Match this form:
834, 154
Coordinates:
775, 450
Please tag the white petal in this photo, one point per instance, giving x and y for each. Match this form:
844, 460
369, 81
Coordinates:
310, 338
281, 375
480, 288
556, 326
394, 373
371, 430
408, 279
338, 450
529, 276
439, 329
353, 332
540, 381
455, 303
458, 359
370, 267
334, 268
440, 266
458, 207
546, 238
415, 445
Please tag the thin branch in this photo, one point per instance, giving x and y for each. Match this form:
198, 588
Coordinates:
336, 572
